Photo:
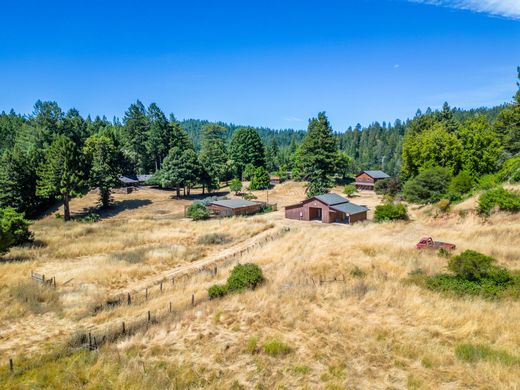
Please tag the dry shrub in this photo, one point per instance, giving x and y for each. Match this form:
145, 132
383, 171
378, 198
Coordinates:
38, 298
131, 256
214, 239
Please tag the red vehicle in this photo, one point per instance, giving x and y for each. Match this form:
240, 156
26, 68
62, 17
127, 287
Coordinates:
428, 243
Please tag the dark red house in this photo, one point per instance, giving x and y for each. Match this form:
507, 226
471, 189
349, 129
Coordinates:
327, 208
366, 180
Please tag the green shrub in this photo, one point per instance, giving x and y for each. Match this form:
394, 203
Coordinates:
349, 190
197, 212
391, 186
235, 186
14, 229
217, 291
510, 171
249, 196
460, 185
213, 239
249, 171
488, 182
90, 218
443, 205
428, 186
260, 180
244, 276
275, 347
390, 212
498, 197
443, 252
471, 265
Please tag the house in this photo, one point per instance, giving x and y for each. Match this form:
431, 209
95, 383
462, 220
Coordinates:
366, 180
327, 208
273, 180
231, 207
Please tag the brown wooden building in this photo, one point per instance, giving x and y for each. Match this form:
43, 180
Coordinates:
231, 207
327, 208
366, 180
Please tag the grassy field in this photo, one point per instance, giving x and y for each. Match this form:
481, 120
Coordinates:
362, 326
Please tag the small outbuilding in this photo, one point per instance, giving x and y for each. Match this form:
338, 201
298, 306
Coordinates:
327, 208
232, 207
366, 180
273, 180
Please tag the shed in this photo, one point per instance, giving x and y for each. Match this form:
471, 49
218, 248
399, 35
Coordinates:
366, 180
273, 180
231, 207
327, 208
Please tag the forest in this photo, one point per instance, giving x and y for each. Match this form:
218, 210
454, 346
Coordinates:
52, 155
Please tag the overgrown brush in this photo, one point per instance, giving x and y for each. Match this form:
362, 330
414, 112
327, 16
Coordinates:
214, 239
243, 276
38, 298
391, 212
499, 198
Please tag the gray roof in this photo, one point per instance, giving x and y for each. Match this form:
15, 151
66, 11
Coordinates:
331, 198
127, 180
144, 178
234, 203
350, 208
377, 174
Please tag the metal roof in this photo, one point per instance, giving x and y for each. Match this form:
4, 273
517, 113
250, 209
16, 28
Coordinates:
127, 180
376, 174
144, 178
331, 198
234, 203
350, 208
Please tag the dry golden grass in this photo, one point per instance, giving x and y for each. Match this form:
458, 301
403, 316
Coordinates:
371, 331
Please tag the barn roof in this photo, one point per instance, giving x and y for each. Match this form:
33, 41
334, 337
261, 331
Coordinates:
349, 208
376, 174
144, 178
127, 180
331, 199
234, 203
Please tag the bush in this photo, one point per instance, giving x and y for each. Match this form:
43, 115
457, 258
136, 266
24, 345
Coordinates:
443, 205
510, 171
260, 180
460, 185
249, 171
349, 190
390, 212
14, 229
429, 186
235, 186
498, 197
242, 276
213, 239
276, 347
217, 291
471, 265
197, 212
249, 196
488, 182
391, 186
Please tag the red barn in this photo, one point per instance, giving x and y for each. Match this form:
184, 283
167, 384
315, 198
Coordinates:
327, 208
366, 180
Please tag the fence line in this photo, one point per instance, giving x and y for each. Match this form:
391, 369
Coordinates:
40, 278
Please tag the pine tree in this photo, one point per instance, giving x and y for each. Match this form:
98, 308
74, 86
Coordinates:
507, 124
61, 173
136, 128
246, 147
213, 156
318, 154
158, 138
104, 167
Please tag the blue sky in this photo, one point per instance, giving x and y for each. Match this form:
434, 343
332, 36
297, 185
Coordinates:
264, 63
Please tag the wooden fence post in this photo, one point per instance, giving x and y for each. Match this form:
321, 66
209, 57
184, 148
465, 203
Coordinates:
173, 281
129, 299
124, 330
149, 316
215, 271
54, 281
89, 340
170, 307
192, 299
11, 365
161, 286
146, 293
43, 278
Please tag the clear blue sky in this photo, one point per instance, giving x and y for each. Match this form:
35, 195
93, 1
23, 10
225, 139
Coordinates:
270, 63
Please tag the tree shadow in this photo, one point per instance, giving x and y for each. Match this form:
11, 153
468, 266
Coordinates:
114, 209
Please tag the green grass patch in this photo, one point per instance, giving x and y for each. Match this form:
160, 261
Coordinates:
276, 348
473, 353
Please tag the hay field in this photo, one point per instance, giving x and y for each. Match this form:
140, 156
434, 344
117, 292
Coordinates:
369, 328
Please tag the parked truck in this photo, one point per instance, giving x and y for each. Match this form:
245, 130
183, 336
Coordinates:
428, 243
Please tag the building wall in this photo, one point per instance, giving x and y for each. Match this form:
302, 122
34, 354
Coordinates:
305, 213
227, 212
364, 178
358, 217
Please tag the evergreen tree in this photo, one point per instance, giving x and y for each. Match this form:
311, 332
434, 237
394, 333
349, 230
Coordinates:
213, 156
507, 124
104, 167
246, 147
180, 169
159, 133
61, 173
136, 128
260, 180
318, 154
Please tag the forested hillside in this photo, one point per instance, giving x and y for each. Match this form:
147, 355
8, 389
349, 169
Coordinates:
54, 154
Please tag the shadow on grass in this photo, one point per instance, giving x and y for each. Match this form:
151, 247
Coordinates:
113, 210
